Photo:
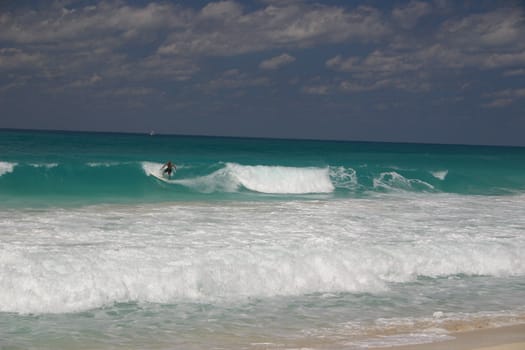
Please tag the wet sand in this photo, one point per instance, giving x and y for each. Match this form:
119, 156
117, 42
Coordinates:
502, 338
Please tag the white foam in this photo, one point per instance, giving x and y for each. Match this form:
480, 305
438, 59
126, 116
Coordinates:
6, 167
44, 165
102, 164
394, 181
344, 177
440, 174
420, 330
259, 178
68, 260
221, 180
152, 168
279, 179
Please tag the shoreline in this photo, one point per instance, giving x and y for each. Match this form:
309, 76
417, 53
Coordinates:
499, 338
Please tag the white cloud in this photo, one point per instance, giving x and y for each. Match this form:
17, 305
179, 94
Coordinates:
469, 42
169, 42
277, 62
343, 64
67, 42
133, 92
13, 58
54, 25
278, 25
514, 72
500, 102
502, 27
94, 79
316, 90
489, 40
505, 97
234, 79
221, 10
158, 67
501, 60
375, 63
15, 82
409, 15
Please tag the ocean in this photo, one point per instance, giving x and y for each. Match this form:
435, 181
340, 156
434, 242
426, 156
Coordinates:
254, 243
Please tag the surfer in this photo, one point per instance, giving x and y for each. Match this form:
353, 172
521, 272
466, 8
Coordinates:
168, 168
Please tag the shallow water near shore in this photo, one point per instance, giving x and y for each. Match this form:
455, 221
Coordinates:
255, 243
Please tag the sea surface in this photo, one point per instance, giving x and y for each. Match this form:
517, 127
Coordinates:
254, 243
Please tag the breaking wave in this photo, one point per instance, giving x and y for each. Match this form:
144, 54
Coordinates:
264, 179
6, 167
94, 256
117, 181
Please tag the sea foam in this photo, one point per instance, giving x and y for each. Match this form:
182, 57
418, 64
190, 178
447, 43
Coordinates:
395, 181
151, 167
44, 165
6, 167
280, 179
440, 174
79, 259
259, 178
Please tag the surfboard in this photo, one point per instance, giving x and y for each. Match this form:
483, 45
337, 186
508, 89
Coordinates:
160, 176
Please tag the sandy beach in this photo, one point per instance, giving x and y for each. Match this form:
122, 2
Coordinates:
502, 338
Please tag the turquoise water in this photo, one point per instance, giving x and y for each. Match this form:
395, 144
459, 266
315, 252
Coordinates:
254, 243
61, 168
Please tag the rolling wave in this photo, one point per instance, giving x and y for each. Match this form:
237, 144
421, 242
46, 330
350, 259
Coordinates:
202, 252
264, 179
118, 180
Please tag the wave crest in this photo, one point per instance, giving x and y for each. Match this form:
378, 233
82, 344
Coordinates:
6, 167
395, 181
280, 179
260, 178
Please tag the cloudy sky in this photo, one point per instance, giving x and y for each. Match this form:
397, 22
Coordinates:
412, 71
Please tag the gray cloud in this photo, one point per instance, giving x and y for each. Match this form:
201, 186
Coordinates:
111, 42
505, 97
500, 28
380, 70
488, 40
66, 43
56, 24
222, 10
278, 25
13, 58
277, 62
224, 28
133, 92
93, 80
377, 62
409, 15
479, 41
234, 79
159, 67
514, 72
316, 89
15, 82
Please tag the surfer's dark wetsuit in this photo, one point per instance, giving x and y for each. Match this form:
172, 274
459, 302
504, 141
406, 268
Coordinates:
169, 168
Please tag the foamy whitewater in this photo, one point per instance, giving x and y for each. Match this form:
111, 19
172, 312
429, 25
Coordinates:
254, 244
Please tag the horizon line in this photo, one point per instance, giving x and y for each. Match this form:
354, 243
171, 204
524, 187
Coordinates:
153, 133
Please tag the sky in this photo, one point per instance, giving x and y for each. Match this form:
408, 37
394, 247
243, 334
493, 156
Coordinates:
398, 71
